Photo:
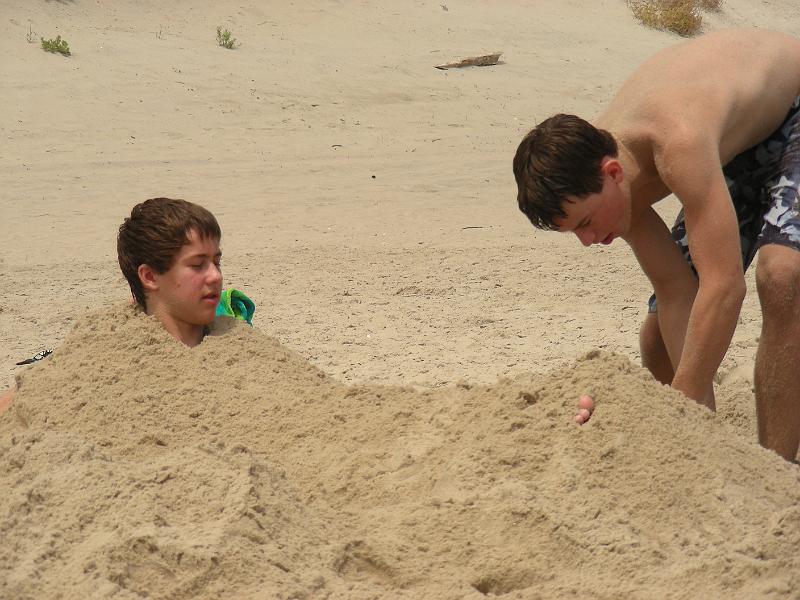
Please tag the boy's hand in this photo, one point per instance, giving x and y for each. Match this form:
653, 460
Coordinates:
585, 409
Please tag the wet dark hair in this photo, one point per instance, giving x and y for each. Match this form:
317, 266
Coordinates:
154, 234
560, 157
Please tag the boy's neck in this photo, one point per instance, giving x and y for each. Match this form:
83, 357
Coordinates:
186, 333
642, 183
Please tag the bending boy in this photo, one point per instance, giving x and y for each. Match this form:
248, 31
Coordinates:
716, 121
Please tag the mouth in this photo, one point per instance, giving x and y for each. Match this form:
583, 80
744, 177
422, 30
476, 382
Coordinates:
211, 299
608, 239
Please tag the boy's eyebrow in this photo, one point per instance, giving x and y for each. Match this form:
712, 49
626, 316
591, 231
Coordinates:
218, 254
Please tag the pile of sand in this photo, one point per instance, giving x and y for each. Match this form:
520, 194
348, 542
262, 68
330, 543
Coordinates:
135, 467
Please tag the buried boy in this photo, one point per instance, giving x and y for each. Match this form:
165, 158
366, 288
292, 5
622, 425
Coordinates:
715, 121
168, 250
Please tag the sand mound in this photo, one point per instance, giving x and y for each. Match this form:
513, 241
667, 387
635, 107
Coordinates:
134, 467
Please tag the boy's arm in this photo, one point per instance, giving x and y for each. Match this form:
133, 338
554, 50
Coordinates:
6, 399
690, 167
672, 279
671, 276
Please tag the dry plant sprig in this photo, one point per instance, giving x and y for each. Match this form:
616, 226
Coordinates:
679, 16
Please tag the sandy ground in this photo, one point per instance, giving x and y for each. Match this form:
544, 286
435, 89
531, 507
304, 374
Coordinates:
238, 470
366, 198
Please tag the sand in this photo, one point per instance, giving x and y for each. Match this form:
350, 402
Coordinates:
368, 208
237, 469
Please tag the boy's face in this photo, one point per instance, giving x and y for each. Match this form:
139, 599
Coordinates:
598, 218
187, 294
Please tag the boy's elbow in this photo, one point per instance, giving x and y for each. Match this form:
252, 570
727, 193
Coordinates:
729, 294
740, 290
737, 296
737, 290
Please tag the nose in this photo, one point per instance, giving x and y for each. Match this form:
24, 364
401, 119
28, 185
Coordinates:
214, 274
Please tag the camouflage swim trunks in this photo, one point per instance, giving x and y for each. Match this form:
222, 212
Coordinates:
764, 183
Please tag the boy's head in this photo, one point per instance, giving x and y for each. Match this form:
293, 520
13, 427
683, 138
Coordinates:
154, 235
559, 158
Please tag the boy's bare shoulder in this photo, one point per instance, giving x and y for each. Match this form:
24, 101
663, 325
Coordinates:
731, 88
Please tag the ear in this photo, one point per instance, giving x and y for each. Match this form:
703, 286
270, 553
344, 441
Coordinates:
148, 277
612, 168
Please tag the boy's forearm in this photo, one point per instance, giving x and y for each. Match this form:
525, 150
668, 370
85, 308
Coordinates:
708, 334
673, 318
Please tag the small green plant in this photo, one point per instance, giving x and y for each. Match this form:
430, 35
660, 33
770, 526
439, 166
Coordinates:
56, 45
225, 38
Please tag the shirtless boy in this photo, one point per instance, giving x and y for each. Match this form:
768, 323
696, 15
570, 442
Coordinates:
168, 251
716, 121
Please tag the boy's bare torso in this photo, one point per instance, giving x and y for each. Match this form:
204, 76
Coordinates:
732, 88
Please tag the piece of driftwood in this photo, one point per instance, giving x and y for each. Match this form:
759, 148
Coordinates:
485, 60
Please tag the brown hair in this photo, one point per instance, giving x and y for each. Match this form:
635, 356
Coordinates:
560, 157
154, 234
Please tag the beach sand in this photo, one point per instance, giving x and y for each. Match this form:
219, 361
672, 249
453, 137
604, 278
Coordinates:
237, 469
398, 424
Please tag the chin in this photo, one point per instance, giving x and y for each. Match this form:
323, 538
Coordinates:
205, 318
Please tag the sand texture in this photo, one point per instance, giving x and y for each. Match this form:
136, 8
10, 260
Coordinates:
239, 470
398, 424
